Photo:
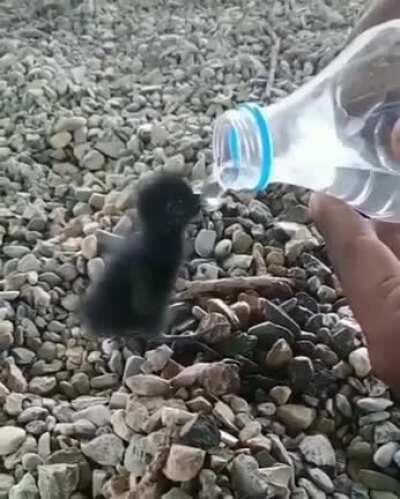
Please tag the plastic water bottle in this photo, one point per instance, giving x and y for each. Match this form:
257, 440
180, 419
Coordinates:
334, 134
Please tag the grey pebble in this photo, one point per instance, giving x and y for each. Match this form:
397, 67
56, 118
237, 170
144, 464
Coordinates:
223, 249
57, 480
384, 455
26, 488
106, 450
247, 480
205, 242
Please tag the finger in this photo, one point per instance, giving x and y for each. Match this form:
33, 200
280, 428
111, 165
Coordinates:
370, 275
338, 223
378, 12
389, 233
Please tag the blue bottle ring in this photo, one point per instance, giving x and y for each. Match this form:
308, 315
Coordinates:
234, 148
266, 144
267, 151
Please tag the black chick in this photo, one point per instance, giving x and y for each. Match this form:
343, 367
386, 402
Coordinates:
131, 297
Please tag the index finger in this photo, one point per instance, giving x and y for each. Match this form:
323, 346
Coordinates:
370, 276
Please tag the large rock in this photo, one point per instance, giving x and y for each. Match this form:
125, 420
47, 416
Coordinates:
57, 481
318, 450
184, 463
11, 438
106, 449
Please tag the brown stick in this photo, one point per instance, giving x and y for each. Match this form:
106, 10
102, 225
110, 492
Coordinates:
271, 285
273, 65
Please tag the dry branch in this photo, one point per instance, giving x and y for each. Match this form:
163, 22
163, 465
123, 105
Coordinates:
270, 285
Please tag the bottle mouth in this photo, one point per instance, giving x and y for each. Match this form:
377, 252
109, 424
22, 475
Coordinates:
243, 149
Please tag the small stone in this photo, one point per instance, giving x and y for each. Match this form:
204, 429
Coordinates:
60, 140
375, 494
15, 251
301, 372
176, 493
89, 247
208, 482
343, 405
241, 241
32, 414
136, 415
42, 385
175, 165
120, 426
11, 438
276, 315
279, 356
280, 394
247, 480
242, 262
201, 432
219, 306
204, 242
384, 455
93, 160
106, 450
360, 361
268, 333
296, 417
29, 263
206, 271
110, 145
157, 359
99, 415
266, 409
251, 430
104, 381
386, 432
16, 381
133, 366
214, 328
6, 482
318, 450
25, 489
148, 385
69, 123
137, 455
225, 414
223, 249
278, 475
259, 212
372, 404
238, 404
321, 479
184, 463
30, 461
4, 392
312, 490
57, 480
171, 417
379, 481
199, 404
6, 335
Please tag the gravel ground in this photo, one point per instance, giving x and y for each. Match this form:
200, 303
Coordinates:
93, 98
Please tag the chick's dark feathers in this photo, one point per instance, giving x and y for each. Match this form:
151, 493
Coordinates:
131, 297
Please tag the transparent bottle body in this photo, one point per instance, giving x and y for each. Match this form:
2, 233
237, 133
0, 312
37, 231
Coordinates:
333, 135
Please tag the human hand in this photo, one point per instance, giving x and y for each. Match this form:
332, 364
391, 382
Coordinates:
366, 253
379, 11
366, 257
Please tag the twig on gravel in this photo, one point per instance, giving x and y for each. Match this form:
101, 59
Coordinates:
273, 65
270, 284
